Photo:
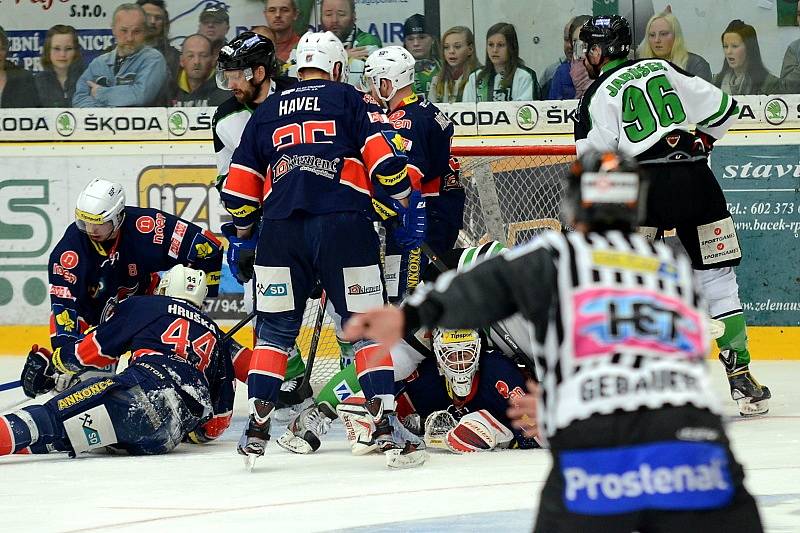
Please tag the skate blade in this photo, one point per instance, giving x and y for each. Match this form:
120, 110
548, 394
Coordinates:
749, 409
250, 461
398, 460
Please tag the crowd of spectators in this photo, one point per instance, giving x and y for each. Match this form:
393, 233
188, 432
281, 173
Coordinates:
143, 68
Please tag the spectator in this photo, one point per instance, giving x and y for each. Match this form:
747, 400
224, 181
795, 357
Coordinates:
214, 24
743, 72
280, 16
17, 88
197, 85
422, 45
458, 62
63, 65
280, 68
339, 17
550, 71
571, 78
505, 76
157, 34
790, 70
664, 40
131, 74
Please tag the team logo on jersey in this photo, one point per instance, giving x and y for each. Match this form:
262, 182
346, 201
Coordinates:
66, 320
59, 291
146, 224
396, 141
776, 111
69, 260
68, 276
527, 117
342, 391
505, 392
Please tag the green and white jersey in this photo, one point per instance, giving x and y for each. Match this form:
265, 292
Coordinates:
636, 104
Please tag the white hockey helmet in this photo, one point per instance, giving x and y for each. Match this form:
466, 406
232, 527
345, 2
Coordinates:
99, 202
322, 50
184, 283
457, 354
393, 63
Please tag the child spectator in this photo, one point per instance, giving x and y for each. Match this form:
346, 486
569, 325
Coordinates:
458, 62
17, 88
743, 71
63, 65
571, 78
505, 76
664, 40
422, 45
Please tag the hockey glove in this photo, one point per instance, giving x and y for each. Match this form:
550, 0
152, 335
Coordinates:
410, 234
241, 253
37, 374
704, 142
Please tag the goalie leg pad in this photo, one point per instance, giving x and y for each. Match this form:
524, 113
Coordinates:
478, 431
358, 424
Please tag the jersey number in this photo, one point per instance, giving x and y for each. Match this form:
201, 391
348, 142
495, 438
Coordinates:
643, 113
310, 132
177, 335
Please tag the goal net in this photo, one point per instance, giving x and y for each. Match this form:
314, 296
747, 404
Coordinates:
512, 194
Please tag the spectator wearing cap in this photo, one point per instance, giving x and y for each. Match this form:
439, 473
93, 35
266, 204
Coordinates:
214, 24
197, 84
17, 88
157, 34
62, 67
422, 45
131, 74
339, 17
571, 78
281, 16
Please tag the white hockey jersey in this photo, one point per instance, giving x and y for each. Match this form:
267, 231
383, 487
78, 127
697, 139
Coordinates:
635, 104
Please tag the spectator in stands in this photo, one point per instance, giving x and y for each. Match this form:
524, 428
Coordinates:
214, 24
664, 39
197, 85
62, 66
281, 16
505, 76
131, 74
281, 68
339, 17
790, 70
157, 33
17, 88
571, 78
743, 71
419, 41
546, 79
458, 62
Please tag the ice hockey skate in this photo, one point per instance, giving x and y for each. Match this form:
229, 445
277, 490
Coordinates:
751, 396
305, 430
254, 440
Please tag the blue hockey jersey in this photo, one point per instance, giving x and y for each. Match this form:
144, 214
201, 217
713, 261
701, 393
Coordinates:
498, 380
314, 148
428, 136
173, 337
88, 279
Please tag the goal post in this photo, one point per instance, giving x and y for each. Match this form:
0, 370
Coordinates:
512, 194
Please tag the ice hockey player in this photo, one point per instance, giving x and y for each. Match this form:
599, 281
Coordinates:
427, 135
178, 384
644, 108
113, 251
619, 331
308, 159
246, 66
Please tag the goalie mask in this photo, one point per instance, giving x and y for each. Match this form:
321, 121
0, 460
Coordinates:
457, 353
606, 191
100, 209
184, 283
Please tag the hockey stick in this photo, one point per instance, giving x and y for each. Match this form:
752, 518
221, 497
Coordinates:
312, 350
518, 356
242, 323
10, 385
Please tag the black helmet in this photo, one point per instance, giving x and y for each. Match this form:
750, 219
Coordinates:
248, 50
611, 32
605, 190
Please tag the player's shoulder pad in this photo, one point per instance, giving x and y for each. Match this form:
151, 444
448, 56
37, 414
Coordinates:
73, 239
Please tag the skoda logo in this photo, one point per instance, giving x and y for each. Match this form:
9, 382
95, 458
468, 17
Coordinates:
776, 111
178, 123
527, 117
65, 123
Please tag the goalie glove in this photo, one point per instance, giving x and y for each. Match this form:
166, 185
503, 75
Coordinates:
477, 432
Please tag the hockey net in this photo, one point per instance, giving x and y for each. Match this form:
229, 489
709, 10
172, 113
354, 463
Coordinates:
513, 193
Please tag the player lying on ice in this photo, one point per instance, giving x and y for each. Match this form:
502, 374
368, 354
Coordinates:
178, 385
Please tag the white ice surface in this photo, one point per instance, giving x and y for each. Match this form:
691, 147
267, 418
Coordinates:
205, 488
